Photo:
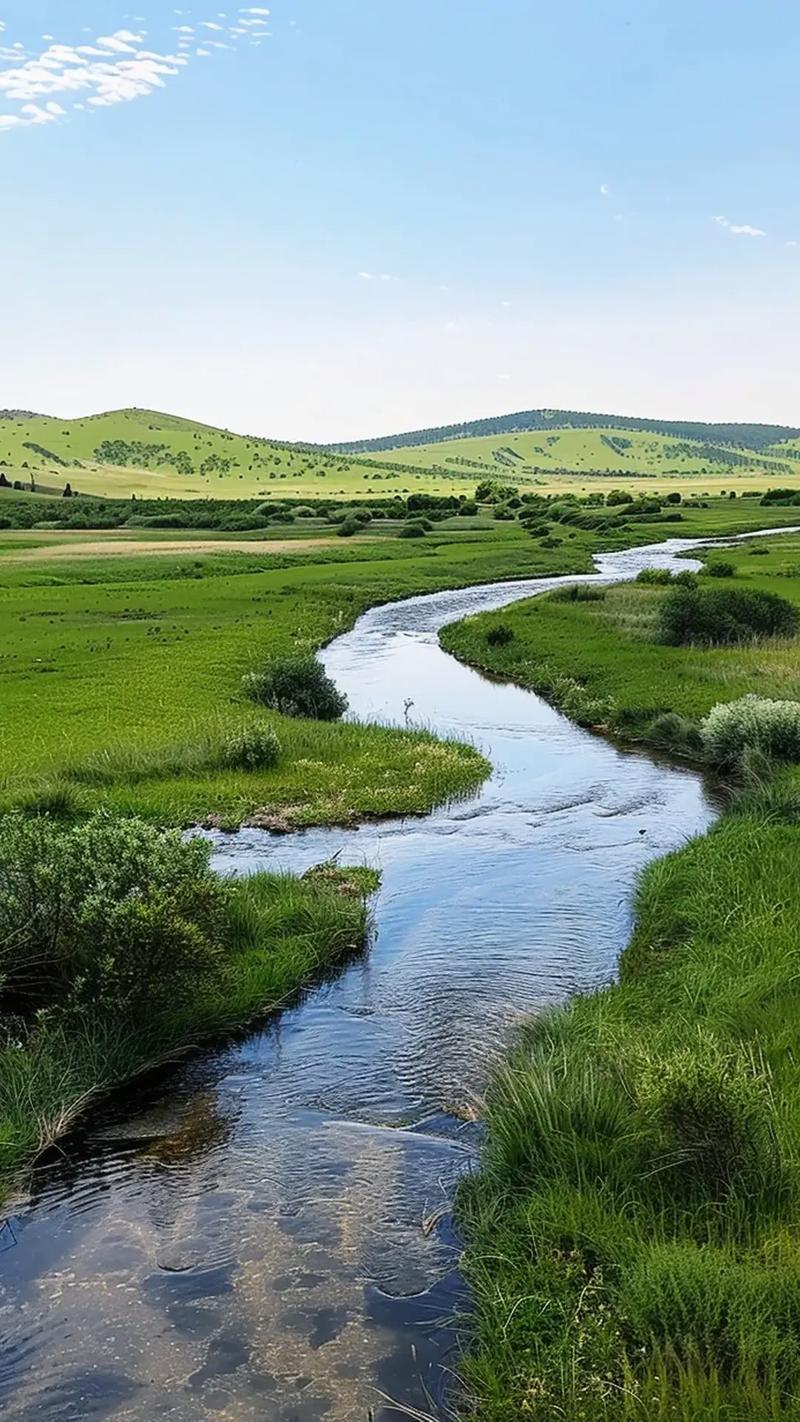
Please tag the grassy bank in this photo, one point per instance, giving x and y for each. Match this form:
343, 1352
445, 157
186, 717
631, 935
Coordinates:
60, 1050
632, 1230
602, 663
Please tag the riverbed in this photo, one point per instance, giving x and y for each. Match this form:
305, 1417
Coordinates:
262, 1231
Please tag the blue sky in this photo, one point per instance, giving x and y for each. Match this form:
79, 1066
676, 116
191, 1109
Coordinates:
326, 218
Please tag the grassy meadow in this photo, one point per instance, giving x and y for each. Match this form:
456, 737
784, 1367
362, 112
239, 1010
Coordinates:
632, 1231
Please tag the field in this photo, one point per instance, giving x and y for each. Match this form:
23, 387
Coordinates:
632, 1233
121, 676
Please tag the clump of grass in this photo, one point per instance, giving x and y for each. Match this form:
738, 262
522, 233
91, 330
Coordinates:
672, 732
577, 592
499, 635
251, 748
719, 569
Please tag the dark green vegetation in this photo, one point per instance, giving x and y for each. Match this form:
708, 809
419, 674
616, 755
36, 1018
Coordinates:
119, 947
632, 1232
752, 436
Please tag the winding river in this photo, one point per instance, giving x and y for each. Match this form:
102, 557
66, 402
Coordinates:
261, 1231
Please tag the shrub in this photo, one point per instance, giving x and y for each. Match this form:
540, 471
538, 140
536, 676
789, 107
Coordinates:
654, 577
296, 686
752, 723
551, 542
251, 748
110, 913
411, 530
500, 635
578, 592
719, 570
719, 616
468, 509
348, 527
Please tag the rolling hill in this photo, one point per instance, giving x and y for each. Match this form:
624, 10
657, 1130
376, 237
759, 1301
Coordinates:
752, 436
146, 453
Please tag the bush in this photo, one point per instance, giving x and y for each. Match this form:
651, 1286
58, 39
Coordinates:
296, 686
722, 616
719, 570
348, 527
500, 635
468, 509
654, 577
112, 913
251, 748
411, 530
578, 592
751, 723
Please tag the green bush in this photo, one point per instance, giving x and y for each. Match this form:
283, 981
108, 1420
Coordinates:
296, 686
111, 913
722, 616
578, 592
411, 530
348, 527
468, 509
752, 723
251, 748
500, 635
719, 570
655, 577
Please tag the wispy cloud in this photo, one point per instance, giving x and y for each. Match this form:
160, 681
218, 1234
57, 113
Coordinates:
605, 190
740, 229
111, 69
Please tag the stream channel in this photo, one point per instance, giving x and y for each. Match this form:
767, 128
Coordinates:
261, 1232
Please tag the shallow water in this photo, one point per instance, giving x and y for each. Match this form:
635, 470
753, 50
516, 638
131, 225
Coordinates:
261, 1231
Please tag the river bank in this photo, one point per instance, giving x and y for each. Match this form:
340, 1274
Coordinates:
631, 1239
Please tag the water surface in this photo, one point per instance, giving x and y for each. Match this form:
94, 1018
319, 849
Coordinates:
261, 1232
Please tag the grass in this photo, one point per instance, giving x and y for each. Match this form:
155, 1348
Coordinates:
601, 662
119, 679
631, 1233
284, 932
632, 1239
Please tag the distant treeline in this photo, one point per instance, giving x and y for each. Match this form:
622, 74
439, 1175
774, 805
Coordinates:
748, 436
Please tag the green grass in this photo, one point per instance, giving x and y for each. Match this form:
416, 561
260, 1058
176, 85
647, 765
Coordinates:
631, 1234
119, 678
600, 661
283, 933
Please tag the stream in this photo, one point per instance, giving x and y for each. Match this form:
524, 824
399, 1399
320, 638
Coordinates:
262, 1231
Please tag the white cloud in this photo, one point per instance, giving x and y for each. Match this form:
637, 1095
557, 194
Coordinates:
604, 189
740, 229
110, 71
211, 25
254, 10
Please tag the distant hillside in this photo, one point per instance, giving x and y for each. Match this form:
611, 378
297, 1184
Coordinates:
747, 436
148, 453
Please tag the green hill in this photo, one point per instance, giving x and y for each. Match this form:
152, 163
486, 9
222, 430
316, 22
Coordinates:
149, 453
751, 436
143, 452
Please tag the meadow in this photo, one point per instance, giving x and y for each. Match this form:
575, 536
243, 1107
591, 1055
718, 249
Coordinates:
631, 1233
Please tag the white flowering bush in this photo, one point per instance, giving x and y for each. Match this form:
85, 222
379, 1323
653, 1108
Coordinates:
754, 723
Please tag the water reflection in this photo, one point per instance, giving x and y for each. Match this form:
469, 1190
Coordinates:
252, 1234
